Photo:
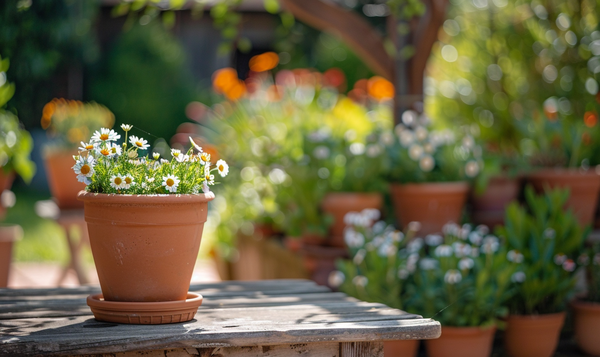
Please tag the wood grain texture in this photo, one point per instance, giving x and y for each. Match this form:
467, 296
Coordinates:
234, 315
361, 349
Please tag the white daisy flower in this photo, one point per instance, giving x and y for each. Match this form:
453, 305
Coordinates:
156, 155
336, 278
115, 149
210, 179
105, 135
84, 168
128, 182
452, 277
171, 182
87, 146
426, 163
182, 158
204, 158
138, 143
222, 167
126, 127
360, 281
195, 145
175, 153
117, 182
104, 150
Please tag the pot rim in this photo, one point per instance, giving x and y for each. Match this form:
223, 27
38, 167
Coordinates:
560, 171
449, 186
145, 199
536, 317
585, 305
468, 330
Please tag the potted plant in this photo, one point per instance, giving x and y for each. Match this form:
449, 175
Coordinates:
381, 266
427, 171
145, 217
561, 153
547, 239
15, 142
463, 278
69, 123
586, 310
15, 148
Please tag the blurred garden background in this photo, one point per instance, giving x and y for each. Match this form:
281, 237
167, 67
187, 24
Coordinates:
487, 100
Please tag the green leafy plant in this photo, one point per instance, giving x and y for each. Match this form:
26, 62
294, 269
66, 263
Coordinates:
382, 262
106, 167
294, 138
15, 142
463, 278
419, 155
591, 260
70, 122
548, 239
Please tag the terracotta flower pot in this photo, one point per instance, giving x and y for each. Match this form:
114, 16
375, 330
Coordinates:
584, 189
587, 325
338, 204
145, 246
462, 341
431, 204
401, 348
9, 234
533, 335
6, 180
488, 208
63, 183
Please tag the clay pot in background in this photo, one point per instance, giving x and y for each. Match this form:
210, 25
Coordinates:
431, 204
584, 188
6, 180
62, 180
338, 204
587, 325
488, 207
401, 348
9, 233
145, 247
533, 335
462, 341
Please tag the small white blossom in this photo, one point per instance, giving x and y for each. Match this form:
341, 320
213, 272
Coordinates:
443, 250
414, 226
196, 146
549, 233
117, 182
336, 278
321, 152
427, 163
415, 245
452, 277
428, 264
352, 238
126, 127
171, 182
434, 239
105, 135
403, 273
415, 152
475, 238
359, 257
451, 228
156, 155
490, 245
514, 256
461, 249
138, 143
222, 168
466, 264
482, 229
87, 146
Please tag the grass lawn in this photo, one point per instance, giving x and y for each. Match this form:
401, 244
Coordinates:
44, 239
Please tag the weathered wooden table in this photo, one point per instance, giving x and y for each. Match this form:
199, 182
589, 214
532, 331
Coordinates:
262, 318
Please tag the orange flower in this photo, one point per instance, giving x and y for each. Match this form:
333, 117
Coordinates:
380, 88
590, 119
586, 138
334, 77
264, 62
224, 78
236, 91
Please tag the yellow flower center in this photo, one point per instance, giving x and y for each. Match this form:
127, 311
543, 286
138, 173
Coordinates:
85, 169
113, 150
89, 147
204, 157
105, 152
118, 181
221, 168
104, 137
170, 182
128, 180
139, 144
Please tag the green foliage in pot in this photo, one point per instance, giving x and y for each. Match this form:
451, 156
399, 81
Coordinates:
418, 154
463, 278
545, 240
294, 138
383, 261
15, 142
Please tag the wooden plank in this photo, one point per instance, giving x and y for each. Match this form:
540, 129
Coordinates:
361, 349
303, 349
83, 335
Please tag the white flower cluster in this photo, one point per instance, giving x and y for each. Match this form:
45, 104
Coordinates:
103, 148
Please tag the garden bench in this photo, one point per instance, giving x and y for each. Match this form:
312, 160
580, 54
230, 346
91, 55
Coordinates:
261, 318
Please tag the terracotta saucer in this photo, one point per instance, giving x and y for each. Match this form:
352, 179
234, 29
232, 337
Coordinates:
144, 313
